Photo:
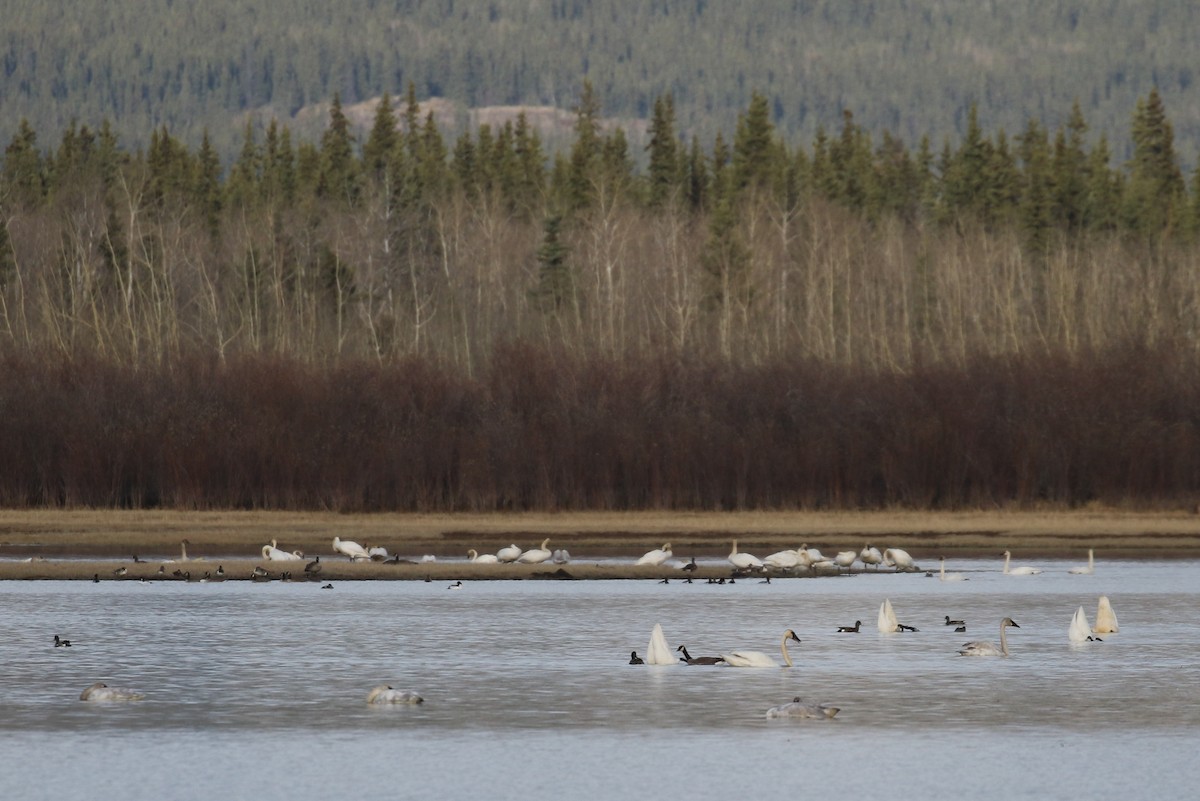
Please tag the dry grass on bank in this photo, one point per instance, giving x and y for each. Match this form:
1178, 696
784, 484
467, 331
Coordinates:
235, 538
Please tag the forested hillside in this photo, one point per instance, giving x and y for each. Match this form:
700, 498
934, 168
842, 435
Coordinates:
913, 68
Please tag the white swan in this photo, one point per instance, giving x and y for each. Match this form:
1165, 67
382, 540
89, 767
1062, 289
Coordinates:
870, 555
561, 556
183, 554
273, 554
899, 559
743, 561
758, 658
845, 559
944, 576
797, 709
536, 556
1080, 630
482, 558
349, 548
377, 553
986, 648
658, 652
657, 556
782, 560
1085, 570
1018, 571
887, 622
384, 694
1106, 618
102, 692
509, 554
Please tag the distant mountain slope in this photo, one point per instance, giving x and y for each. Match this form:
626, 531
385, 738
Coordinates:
913, 67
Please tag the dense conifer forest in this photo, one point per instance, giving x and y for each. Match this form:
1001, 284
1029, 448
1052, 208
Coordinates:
421, 321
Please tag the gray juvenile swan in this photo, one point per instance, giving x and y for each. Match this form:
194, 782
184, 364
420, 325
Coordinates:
102, 692
987, 648
799, 710
384, 694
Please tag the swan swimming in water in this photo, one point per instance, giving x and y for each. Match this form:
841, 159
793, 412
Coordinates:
944, 576
1018, 571
509, 554
102, 692
986, 648
743, 561
1088, 569
758, 658
482, 558
1080, 630
535, 556
799, 710
887, 622
658, 652
1106, 618
384, 694
350, 549
657, 556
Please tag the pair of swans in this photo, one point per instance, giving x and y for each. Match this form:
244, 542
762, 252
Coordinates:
1085, 570
385, 694
798, 710
1018, 571
1080, 630
102, 692
272, 553
657, 556
987, 648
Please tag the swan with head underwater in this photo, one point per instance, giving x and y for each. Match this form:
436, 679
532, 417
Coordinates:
798, 710
1018, 571
658, 652
986, 647
102, 692
1085, 570
350, 549
760, 659
1106, 618
1080, 630
657, 556
385, 694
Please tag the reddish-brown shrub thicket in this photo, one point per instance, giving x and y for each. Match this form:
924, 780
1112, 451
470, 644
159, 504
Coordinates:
540, 428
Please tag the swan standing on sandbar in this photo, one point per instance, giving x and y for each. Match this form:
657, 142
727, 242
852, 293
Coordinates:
799, 710
273, 554
509, 554
844, 559
658, 652
657, 556
743, 561
350, 549
102, 692
944, 576
870, 555
1085, 570
535, 556
987, 648
384, 694
1018, 571
887, 622
482, 558
899, 559
1080, 630
1106, 618
758, 658
782, 560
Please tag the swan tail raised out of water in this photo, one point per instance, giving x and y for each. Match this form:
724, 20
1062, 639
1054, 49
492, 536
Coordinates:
887, 622
1106, 618
658, 652
1080, 630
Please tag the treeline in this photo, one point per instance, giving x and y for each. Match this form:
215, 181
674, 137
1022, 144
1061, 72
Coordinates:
543, 429
855, 250
911, 68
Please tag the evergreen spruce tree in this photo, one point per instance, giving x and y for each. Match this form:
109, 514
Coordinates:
24, 177
1156, 187
339, 179
1070, 171
754, 164
663, 170
1102, 195
586, 150
207, 192
381, 142
555, 290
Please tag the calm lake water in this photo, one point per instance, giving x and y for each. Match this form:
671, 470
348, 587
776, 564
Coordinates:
259, 689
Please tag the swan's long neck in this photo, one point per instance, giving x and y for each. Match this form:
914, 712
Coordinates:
1007, 557
733, 550
1003, 639
1091, 560
472, 554
183, 551
787, 659
545, 542
943, 576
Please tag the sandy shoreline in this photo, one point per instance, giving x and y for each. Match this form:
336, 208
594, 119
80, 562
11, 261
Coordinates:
86, 543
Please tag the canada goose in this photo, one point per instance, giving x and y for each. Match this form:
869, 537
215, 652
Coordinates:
803, 711
1088, 569
961, 629
986, 648
61, 643
535, 556
656, 557
259, 571
634, 659
313, 567
743, 561
384, 694
870, 555
95, 578
350, 549
758, 658
950, 622
136, 560
850, 629
221, 571
482, 559
102, 692
1018, 571
691, 566
698, 660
